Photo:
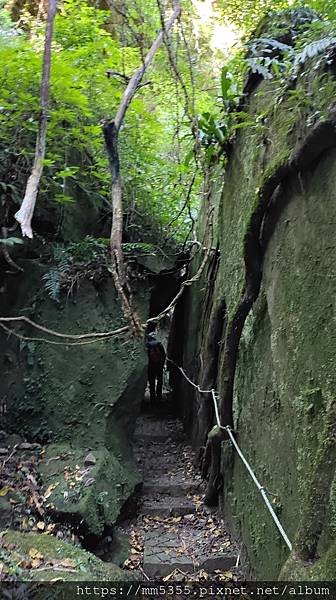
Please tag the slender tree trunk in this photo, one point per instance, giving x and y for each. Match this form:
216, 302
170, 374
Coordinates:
25, 214
111, 133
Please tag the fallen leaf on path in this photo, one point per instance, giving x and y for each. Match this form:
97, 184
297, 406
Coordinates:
50, 489
35, 563
25, 564
204, 574
4, 491
3, 568
9, 546
168, 577
68, 563
34, 553
227, 575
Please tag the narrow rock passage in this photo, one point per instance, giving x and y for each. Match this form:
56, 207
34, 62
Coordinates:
174, 535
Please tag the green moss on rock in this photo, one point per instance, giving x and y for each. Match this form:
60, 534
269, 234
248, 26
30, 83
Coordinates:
321, 569
19, 548
89, 495
285, 375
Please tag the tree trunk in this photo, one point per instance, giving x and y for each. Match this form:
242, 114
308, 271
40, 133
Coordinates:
111, 133
25, 214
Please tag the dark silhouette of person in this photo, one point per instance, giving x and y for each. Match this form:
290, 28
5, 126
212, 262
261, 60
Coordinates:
156, 361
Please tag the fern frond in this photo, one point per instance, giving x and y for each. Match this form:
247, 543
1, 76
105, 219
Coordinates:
314, 49
52, 284
264, 43
61, 258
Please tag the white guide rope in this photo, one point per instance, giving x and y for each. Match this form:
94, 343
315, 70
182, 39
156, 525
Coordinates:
227, 428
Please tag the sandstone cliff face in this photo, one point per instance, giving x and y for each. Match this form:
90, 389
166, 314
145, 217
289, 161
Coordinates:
259, 326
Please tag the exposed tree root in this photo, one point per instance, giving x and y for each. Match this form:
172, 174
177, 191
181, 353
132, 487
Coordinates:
70, 336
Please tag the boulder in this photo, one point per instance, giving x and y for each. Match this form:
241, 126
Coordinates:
87, 496
41, 557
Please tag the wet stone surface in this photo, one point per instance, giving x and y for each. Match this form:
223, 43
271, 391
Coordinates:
174, 534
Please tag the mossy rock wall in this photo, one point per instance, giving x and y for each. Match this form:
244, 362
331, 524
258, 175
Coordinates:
80, 398
286, 370
284, 387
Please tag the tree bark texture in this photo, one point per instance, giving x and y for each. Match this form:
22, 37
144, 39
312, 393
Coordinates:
25, 214
111, 134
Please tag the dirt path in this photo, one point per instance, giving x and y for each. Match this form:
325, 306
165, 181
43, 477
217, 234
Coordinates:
174, 535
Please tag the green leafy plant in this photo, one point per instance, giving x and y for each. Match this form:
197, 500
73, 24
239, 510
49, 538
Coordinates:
52, 283
215, 132
325, 46
268, 57
136, 247
11, 241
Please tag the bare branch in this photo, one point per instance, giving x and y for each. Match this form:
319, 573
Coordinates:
6, 254
173, 65
139, 73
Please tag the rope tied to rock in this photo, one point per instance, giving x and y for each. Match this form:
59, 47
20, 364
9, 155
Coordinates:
227, 428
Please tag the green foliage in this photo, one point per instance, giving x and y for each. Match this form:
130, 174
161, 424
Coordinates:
325, 46
287, 60
11, 241
88, 249
267, 57
326, 8
140, 247
52, 283
6, 24
246, 15
157, 148
285, 42
216, 131
155, 175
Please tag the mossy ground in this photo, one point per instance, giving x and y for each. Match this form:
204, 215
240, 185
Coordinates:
19, 550
91, 496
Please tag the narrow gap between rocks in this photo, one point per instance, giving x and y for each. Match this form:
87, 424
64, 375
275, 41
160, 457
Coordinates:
173, 534
168, 530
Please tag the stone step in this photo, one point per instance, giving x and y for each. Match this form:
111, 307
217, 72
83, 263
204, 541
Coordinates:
168, 506
222, 562
162, 555
170, 485
164, 552
157, 431
158, 436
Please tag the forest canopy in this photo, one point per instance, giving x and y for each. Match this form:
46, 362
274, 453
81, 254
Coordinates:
181, 119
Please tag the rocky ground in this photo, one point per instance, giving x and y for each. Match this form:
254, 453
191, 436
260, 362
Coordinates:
170, 534
34, 545
174, 536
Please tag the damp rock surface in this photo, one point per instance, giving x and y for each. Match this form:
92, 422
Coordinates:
174, 534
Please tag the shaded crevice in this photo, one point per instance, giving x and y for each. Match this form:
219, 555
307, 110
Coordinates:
211, 354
